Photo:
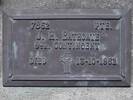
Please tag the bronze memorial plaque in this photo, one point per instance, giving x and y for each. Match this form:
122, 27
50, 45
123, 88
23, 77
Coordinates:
66, 47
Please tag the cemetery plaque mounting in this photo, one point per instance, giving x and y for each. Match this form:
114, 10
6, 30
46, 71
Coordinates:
66, 47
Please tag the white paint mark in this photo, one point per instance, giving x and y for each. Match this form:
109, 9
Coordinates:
116, 12
15, 49
12, 20
102, 47
35, 67
37, 53
103, 56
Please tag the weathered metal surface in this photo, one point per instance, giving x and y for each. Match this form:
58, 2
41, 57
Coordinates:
66, 47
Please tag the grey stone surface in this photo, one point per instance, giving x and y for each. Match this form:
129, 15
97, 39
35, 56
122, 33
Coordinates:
45, 93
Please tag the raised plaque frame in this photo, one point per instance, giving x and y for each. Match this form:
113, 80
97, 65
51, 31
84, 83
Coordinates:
124, 16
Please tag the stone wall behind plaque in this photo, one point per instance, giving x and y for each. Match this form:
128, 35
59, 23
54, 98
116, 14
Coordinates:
45, 93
